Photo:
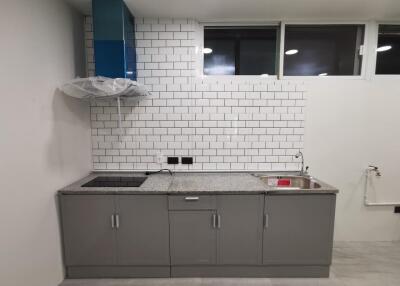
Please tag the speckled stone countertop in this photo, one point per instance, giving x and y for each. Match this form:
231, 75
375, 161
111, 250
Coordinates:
183, 183
216, 182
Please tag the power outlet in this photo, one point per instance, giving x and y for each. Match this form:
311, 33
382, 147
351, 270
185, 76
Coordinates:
187, 160
173, 160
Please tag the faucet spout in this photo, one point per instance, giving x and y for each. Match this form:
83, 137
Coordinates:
300, 155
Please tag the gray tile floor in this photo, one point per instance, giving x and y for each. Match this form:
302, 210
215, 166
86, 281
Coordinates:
354, 264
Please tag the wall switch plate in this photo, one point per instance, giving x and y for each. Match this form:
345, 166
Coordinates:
187, 160
173, 160
397, 209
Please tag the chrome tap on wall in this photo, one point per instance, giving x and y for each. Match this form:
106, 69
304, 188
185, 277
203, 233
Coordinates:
372, 168
300, 155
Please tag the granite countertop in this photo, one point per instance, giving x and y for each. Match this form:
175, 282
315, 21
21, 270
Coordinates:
216, 182
183, 183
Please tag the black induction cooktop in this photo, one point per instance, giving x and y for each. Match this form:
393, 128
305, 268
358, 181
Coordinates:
115, 182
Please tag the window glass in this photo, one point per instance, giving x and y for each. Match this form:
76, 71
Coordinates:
257, 57
388, 50
221, 59
240, 50
312, 50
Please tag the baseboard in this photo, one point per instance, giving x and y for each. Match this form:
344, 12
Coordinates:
117, 272
251, 271
292, 271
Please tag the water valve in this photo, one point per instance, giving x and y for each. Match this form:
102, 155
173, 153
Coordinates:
372, 168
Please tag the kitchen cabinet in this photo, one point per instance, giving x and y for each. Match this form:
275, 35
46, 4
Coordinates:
88, 236
193, 237
239, 235
143, 232
298, 229
221, 229
192, 229
211, 235
115, 230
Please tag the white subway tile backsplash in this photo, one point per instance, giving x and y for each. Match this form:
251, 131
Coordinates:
225, 123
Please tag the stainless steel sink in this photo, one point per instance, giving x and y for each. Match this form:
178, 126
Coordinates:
289, 182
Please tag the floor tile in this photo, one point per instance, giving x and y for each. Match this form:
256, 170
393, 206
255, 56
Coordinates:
354, 264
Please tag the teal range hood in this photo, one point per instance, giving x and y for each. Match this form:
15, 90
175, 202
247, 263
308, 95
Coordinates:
114, 39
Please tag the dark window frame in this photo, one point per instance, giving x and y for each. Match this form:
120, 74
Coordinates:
377, 54
359, 59
237, 40
368, 46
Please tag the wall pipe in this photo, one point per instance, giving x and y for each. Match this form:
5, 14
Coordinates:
366, 200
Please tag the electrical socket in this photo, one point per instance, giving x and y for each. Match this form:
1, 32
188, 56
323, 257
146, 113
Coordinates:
173, 160
187, 160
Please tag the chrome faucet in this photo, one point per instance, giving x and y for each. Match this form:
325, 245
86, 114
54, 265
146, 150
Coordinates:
372, 168
300, 155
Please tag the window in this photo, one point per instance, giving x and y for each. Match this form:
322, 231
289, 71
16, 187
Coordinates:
388, 50
240, 50
322, 50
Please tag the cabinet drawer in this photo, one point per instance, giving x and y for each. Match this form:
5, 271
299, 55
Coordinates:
192, 202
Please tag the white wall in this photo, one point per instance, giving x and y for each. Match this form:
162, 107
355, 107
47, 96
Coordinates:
349, 125
224, 124
45, 136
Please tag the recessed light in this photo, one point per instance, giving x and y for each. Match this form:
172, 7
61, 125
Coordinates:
207, 51
323, 74
264, 75
292, 52
383, 48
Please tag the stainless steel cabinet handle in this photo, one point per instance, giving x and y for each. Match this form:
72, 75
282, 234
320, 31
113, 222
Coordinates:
214, 220
266, 220
112, 221
117, 221
191, 198
218, 221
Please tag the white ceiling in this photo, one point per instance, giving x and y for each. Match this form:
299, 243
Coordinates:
82, 5
261, 10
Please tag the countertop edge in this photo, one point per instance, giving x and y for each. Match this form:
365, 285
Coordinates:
164, 188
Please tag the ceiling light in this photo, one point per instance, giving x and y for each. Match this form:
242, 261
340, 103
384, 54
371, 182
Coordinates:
323, 74
292, 52
383, 48
264, 75
207, 51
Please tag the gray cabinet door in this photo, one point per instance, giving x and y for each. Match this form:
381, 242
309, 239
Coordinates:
299, 229
192, 237
143, 232
239, 236
89, 238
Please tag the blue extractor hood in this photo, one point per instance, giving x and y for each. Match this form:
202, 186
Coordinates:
114, 39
